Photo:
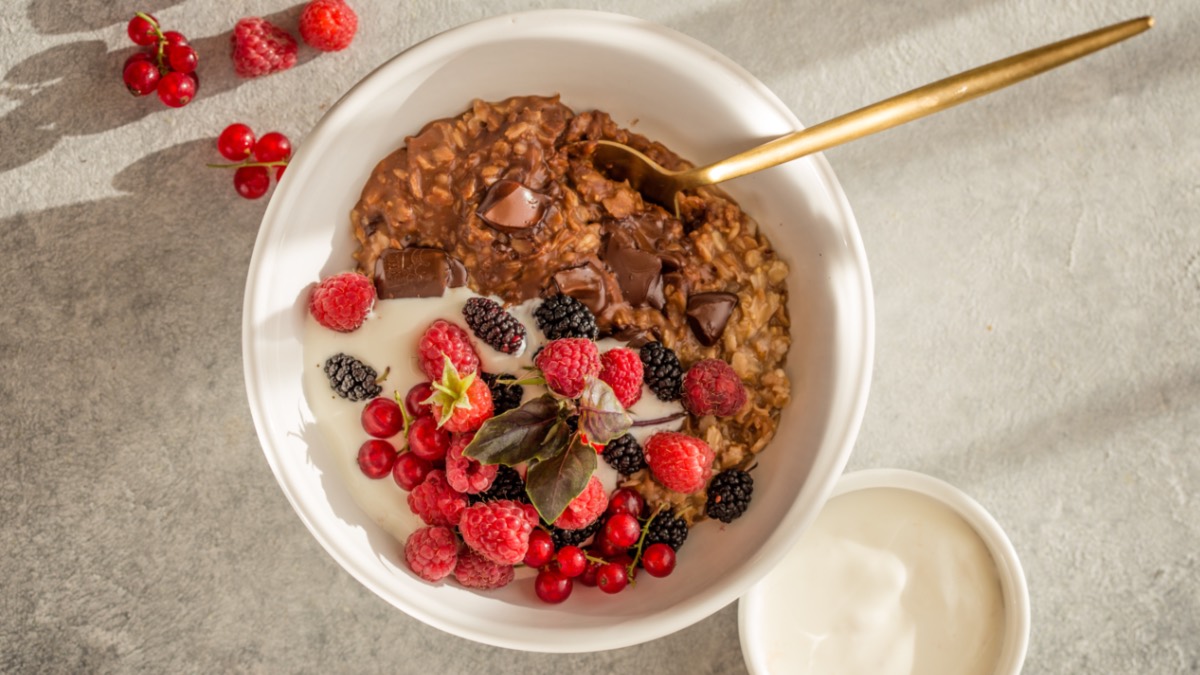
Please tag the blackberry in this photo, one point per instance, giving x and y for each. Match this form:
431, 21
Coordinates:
572, 537
561, 316
493, 325
507, 485
668, 529
625, 455
661, 371
505, 397
729, 495
352, 379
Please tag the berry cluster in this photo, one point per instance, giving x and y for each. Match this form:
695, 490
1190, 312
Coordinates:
259, 47
167, 66
254, 158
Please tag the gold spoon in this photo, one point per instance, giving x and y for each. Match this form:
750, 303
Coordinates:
661, 185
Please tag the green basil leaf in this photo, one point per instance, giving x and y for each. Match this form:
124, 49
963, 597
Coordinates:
552, 483
601, 415
516, 436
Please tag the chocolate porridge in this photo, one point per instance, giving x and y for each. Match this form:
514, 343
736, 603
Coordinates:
504, 198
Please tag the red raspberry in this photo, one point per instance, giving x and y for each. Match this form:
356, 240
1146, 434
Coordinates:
469, 419
328, 25
341, 302
621, 369
465, 474
445, 338
431, 552
261, 48
584, 509
436, 501
499, 530
476, 571
680, 462
711, 387
568, 364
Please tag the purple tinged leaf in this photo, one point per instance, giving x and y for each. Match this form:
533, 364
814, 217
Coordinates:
601, 415
552, 483
520, 434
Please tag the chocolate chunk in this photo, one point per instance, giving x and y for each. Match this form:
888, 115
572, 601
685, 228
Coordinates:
417, 273
585, 284
708, 313
635, 336
511, 207
639, 274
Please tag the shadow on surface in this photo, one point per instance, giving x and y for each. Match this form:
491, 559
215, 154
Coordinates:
75, 89
55, 17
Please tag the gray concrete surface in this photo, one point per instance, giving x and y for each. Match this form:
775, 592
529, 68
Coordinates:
1036, 261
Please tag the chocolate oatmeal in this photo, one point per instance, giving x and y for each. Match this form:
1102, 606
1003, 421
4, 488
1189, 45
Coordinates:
504, 198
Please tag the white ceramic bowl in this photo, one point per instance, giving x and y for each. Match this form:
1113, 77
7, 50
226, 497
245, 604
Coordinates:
756, 605
674, 90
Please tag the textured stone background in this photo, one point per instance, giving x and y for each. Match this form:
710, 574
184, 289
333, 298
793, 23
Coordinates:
1036, 263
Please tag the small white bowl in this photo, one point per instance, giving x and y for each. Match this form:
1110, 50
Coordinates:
756, 605
672, 89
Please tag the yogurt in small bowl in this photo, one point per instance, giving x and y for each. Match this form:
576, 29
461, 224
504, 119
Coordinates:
900, 574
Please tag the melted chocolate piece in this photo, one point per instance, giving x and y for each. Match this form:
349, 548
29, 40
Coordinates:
636, 336
511, 207
585, 284
708, 313
638, 273
417, 273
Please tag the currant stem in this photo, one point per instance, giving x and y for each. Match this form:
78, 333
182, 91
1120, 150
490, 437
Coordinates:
642, 540
281, 162
659, 420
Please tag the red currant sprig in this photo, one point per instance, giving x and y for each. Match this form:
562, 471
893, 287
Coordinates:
168, 68
252, 177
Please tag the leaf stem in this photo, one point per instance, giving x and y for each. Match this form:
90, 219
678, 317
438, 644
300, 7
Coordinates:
660, 420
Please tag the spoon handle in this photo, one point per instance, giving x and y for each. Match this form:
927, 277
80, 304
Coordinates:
917, 103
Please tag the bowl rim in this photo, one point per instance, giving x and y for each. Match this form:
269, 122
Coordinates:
845, 430
1015, 590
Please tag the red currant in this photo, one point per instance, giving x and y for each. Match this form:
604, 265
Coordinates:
622, 530
273, 147
409, 471
381, 417
551, 586
252, 182
182, 58
588, 578
143, 32
606, 548
279, 172
541, 549
141, 76
375, 458
426, 440
176, 89
658, 559
236, 142
626, 500
612, 577
571, 561
412, 400
173, 38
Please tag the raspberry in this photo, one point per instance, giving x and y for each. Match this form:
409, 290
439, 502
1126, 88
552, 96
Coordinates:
476, 571
436, 502
568, 364
662, 371
499, 531
351, 379
465, 474
729, 495
505, 397
711, 387
561, 316
328, 25
431, 552
625, 455
444, 339
622, 370
261, 48
490, 323
468, 418
508, 484
680, 462
341, 302
585, 508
